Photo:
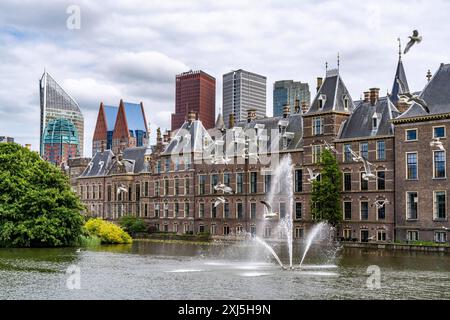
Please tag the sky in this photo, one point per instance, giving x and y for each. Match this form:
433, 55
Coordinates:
132, 50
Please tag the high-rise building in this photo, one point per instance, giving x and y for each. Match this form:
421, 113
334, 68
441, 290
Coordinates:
56, 103
6, 139
120, 127
195, 91
61, 141
287, 92
243, 91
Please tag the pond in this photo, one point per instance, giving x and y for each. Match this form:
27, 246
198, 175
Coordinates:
183, 270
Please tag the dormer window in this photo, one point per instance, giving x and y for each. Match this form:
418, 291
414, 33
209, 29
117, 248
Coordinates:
346, 101
321, 101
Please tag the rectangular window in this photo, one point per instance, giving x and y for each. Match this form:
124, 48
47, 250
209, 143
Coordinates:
267, 232
186, 209
176, 209
439, 205
157, 210
166, 187
298, 180
146, 210
317, 150
411, 166
109, 192
298, 211
201, 210
213, 211
201, 184
177, 186
267, 182
347, 234
381, 235
253, 210
381, 180
138, 192
201, 228
364, 150
347, 181
187, 162
167, 164
440, 236
156, 188
186, 186
411, 205
239, 210
317, 126
364, 210
240, 182
439, 164
253, 182
381, 150
226, 210
227, 179
146, 189
381, 213
299, 232
364, 183
166, 210
282, 210
253, 231
412, 235
411, 135
347, 153
226, 230
214, 182
213, 229
439, 132
347, 210
158, 167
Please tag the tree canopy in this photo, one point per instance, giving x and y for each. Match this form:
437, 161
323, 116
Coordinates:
37, 204
325, 197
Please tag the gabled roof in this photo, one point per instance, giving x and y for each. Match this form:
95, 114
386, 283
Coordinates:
333, 91
135, 116
138, 157
110, 116
359, 124
436, 94
191, 137
99, 165
400, 85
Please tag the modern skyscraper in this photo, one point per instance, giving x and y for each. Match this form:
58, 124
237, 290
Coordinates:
56, 103
61, 141
243, 91
6, 139
120, 127
195, 91
287, 92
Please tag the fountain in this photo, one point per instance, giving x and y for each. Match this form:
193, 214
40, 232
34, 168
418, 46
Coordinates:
312, 234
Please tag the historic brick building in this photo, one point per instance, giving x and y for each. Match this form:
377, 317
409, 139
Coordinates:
171, 184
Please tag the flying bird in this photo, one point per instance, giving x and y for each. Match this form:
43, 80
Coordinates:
356, 157
329, 147
223, 187
312, 176
367, 170
269, 212
380, 203
218, 201
121, 188
410, 98
437, 143
415, 38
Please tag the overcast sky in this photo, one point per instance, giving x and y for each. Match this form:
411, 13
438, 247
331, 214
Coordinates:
133, 49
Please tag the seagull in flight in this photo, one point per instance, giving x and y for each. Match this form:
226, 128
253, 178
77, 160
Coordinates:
410, 98
269, 212
380, 203
312, 176
356, 157
121, 188
101, 164
329, 147
415, 38
367, 170
223, 187
218, 201
437, 143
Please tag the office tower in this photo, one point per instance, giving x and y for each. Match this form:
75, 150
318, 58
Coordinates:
61, 141
243, 91
287, 92
56, 103
6, 139
195, 91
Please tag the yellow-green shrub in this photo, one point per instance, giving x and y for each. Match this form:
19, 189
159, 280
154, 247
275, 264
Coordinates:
107, 231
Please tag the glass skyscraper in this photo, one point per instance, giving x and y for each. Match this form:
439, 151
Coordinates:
286, 92
56, 103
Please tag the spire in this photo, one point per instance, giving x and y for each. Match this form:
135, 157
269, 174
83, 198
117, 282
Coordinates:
399, 49
219, 122
400, 85
338, 61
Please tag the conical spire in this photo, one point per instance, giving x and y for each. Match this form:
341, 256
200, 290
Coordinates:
220, 124
400, 85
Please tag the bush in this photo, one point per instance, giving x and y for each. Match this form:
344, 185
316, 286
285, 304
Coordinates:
37, 205
108, 232
132, 224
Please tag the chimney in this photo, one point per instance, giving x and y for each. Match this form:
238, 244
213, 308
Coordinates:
158, 136
319, 83
251, 115
286, 110
191, 116
304, 107
231, 120
374, 94
366, 96
297, 106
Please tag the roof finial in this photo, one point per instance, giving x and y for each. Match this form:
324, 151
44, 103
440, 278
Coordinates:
399, 49
338, 61
326, 66
429, 75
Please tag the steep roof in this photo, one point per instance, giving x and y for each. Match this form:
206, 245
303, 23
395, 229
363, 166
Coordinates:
110, 116
359, 124
400, 85
135, 116
99, 165
191, 137
436, 94
333, 92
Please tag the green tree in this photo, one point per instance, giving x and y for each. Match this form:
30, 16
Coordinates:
37, 205
132, 224
325, 197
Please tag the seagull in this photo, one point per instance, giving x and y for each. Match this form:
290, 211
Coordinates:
329, 147
410, 98
356, 157
367, 171
415, 38
91, 164
218, 201
437, 143
121, 188
381, 203
222, 187
101, 163
312, 176
371, 238
269, 214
